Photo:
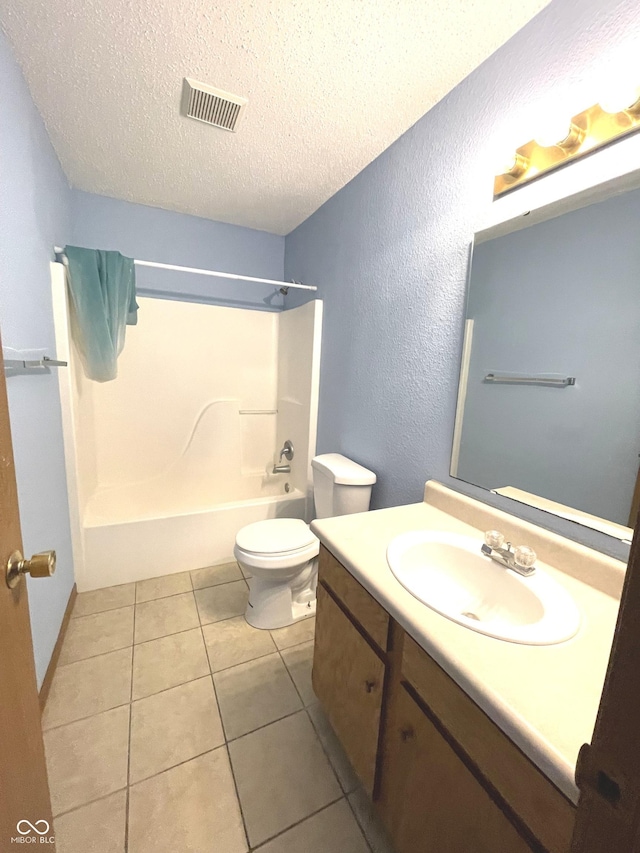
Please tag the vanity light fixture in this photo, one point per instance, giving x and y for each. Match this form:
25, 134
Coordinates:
615, 116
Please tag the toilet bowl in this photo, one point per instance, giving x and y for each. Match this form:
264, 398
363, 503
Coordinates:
280, 555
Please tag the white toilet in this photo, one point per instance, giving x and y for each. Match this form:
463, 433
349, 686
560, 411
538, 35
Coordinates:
281, 554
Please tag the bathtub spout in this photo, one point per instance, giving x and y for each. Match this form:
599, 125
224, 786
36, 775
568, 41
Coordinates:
281, 469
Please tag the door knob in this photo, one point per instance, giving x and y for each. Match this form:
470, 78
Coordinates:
41, 565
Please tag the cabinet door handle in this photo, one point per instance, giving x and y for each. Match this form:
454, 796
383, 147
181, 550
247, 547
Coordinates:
406, 733
369, 685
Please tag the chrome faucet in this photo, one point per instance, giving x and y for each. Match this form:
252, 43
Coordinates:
287, 452
521, 560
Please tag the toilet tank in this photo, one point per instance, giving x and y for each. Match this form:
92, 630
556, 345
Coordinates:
340, 486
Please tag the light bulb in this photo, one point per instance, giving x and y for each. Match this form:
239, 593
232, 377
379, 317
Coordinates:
514, 164
506, 164
553, 132
566, 135
625, 98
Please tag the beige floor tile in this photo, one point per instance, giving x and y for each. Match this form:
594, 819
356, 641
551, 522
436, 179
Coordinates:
234, 641
96, 828
333, 830
332, 746
282, 776
88, 636
254, 694
299, 660
191, 808
373, 830
87, 759
88, 687
172, 727
222, 602
213, 575
100, 600
162, 587
167, 662
293, 635
164, 616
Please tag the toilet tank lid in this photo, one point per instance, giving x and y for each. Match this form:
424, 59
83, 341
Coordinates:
343, 471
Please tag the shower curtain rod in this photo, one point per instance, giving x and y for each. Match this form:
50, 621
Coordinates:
285, 285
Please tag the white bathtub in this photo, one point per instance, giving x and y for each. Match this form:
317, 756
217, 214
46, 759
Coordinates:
187, 516
122, 545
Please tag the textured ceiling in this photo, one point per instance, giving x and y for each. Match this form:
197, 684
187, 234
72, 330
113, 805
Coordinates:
330, 83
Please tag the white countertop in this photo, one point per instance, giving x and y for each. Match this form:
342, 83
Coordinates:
545, 698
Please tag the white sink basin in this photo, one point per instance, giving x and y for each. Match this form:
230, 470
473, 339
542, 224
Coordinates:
450, 574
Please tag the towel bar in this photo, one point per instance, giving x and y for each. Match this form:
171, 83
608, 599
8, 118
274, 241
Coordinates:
530, 380
34, 364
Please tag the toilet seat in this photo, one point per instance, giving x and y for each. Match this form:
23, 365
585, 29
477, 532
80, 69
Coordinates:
277, 545
276, 537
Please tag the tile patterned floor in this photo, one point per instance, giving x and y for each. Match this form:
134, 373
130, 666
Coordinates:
172, 726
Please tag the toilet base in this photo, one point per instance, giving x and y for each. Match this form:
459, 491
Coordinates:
259, 619
278, 604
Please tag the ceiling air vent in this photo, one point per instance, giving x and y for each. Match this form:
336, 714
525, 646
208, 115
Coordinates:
212, 106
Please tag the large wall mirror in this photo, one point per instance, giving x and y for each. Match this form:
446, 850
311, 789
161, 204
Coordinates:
549, 398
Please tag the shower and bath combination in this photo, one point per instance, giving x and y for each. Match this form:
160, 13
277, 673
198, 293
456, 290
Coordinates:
165, 466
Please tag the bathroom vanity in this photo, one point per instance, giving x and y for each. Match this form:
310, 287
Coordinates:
464, 742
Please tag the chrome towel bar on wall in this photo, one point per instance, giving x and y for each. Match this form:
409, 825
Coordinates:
33, 363
514, 379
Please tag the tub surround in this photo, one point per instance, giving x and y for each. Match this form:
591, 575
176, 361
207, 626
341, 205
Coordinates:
544, 698
163, 486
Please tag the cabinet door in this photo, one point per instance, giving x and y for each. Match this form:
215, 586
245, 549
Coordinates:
348, 679
430, 801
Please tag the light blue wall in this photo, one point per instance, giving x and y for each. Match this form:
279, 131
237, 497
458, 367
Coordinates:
560, 297
35, 203
38, 211
389, 254
151, 234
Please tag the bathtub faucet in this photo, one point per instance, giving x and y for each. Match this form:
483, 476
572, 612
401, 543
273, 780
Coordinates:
287, 452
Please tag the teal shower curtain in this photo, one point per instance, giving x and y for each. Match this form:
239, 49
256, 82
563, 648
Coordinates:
103, 294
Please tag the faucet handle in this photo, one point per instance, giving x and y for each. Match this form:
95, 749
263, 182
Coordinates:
524, 556
494, 539
287, 451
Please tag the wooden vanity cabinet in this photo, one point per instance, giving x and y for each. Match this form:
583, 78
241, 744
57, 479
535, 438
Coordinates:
442, 775
430, 801
541, 811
